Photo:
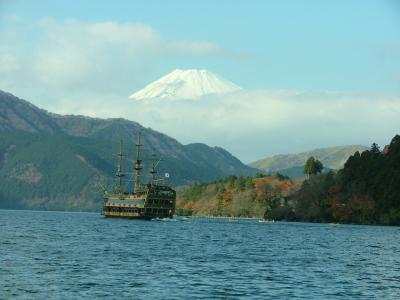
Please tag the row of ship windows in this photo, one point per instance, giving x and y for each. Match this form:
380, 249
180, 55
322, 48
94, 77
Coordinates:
158, 210
120, 209
163, 193
158, 202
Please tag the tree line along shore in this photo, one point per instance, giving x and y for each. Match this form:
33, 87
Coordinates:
365, 191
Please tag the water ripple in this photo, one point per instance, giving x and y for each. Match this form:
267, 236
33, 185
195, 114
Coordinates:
81, 255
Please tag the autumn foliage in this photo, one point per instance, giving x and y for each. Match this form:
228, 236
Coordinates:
237, 196
365, 191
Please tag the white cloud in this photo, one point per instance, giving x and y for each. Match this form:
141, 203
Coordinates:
89, 55
253, 124
72, 55
91, 68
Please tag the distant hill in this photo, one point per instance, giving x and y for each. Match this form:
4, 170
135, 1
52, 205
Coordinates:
332, 158
51, 161
364, 191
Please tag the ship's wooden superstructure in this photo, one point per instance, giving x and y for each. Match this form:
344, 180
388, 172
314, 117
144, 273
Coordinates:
146, 201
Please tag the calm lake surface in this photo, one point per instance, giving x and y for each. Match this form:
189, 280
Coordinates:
59, 255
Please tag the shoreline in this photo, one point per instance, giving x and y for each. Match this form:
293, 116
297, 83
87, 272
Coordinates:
204, 217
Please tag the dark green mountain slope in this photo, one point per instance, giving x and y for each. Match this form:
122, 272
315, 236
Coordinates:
59, 162
50, 172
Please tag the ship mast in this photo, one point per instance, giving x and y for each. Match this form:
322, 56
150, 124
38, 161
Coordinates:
119, 173
138, 165
153, 171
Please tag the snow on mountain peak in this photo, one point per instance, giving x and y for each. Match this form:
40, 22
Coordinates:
186, 84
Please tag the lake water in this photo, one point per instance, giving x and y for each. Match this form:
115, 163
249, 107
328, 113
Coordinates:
58, 255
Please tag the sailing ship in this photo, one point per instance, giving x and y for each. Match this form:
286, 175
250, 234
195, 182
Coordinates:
154, 200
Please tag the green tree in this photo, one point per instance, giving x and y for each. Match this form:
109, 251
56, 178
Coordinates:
313, 166
318, 167
375, 149
240, 183
249, 183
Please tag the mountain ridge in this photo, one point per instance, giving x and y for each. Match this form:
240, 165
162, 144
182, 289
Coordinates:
19, 114
332, 158
50, 161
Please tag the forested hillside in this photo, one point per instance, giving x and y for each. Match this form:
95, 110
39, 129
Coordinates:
238, 196
365, 191
49, 161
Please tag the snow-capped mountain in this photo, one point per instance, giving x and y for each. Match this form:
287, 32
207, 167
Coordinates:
186, 84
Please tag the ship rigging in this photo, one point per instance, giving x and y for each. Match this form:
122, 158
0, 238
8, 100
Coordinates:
147, 201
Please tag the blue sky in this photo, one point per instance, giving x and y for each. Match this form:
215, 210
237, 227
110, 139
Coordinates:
346, 47
323, 45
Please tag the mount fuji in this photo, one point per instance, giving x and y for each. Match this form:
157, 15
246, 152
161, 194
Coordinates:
186, 84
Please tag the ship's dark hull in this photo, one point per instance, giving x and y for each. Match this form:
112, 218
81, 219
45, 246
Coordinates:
156, 202
140, 214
